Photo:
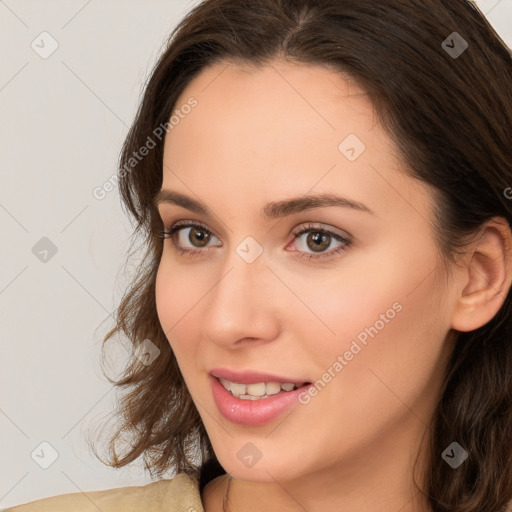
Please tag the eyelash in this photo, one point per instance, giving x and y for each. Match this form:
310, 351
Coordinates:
178, 226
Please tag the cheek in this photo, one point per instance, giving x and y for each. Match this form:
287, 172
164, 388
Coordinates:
385, 314
165, 301
177, 292
343, 307
175, 299
181, 293
174, 304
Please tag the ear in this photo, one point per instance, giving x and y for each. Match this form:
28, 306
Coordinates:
485, 278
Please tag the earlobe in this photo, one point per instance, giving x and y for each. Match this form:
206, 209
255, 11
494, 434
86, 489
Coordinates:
486, 277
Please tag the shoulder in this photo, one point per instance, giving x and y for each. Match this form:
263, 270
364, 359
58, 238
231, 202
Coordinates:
178, 493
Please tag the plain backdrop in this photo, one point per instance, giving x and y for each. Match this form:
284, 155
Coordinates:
63, 119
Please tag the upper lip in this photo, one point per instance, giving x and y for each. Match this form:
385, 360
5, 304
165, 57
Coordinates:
252, 377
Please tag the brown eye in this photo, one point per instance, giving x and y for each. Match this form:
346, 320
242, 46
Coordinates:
199, 236
318, 241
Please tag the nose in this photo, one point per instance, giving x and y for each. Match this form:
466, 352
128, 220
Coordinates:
242, 305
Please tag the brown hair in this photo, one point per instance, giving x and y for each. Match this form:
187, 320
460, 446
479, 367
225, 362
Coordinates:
450, 117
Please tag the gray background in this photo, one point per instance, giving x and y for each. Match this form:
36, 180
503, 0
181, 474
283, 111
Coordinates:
63, 119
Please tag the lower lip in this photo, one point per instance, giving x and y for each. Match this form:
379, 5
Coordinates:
253, 412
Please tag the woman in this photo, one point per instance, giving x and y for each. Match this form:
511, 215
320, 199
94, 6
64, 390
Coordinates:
323, 319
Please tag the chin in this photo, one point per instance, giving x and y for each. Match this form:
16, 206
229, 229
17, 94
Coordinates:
265, 469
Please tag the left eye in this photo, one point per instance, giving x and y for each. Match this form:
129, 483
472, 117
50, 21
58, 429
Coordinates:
319, 238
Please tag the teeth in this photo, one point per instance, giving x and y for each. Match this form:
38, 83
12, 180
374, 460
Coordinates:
236, 389
272, 388
256, 391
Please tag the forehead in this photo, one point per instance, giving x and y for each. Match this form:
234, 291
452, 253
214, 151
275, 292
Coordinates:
280, 130
311, 92
278, 110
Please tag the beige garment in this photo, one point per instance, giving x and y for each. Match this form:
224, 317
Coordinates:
178, 494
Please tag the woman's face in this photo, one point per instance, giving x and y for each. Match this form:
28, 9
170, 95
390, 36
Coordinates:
364, 318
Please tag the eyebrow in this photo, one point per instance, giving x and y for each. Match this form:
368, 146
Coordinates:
272, 210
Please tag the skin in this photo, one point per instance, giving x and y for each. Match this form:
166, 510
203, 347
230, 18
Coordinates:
272, 133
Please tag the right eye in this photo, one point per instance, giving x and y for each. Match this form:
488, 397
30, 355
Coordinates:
198, 233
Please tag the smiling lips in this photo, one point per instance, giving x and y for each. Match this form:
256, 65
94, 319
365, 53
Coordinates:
256, 391
253, 398
253, 377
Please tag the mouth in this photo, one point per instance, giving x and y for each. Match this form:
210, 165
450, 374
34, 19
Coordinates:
260, 399
259, 390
